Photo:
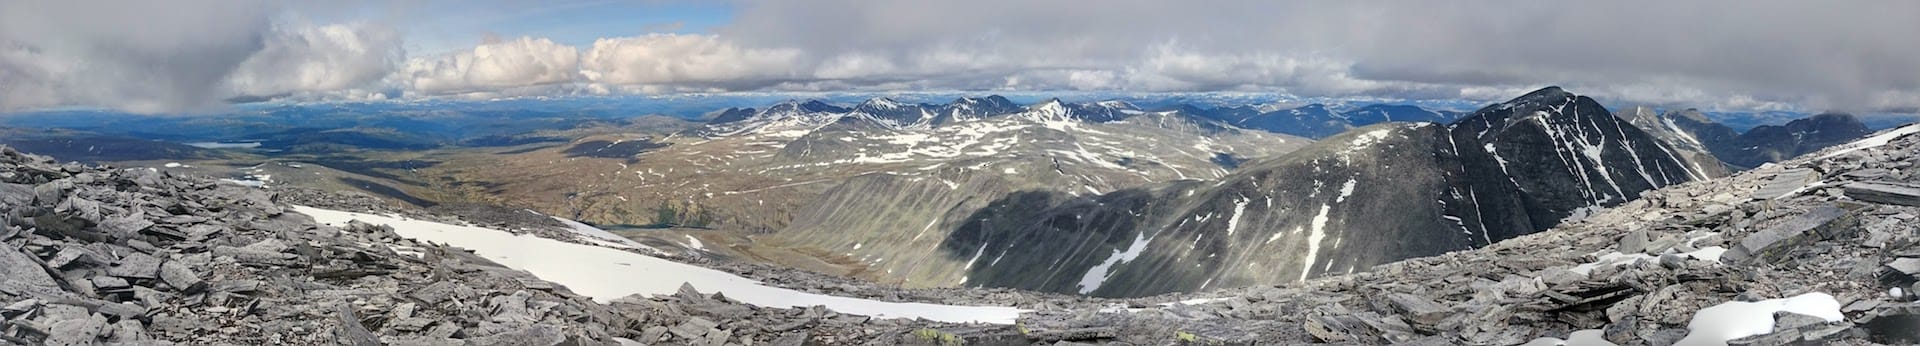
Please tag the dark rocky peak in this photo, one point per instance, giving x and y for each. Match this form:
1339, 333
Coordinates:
1769, 143
731, 115
893, 112
1102, 111
1845, 123
1379, 113
967, 108
805, 107
1569, 153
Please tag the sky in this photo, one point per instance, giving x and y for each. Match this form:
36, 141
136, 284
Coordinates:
174, 56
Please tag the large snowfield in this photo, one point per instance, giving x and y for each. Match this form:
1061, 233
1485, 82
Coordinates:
607, 273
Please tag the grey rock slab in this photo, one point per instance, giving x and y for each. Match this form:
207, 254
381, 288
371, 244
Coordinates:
538, 335
1773, 243
74, 332
20, 273
1633, 242
1788, 320
1786, 182
177, 274
1777, 338
135, 265
1909, 266
1884, 193
1418, 309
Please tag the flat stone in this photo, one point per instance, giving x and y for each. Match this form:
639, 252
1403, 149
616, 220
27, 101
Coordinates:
19, 273
109, 282
1786, 182
538, 335
694, 328
1633, 242
135, 265
124, 226
76, 332
177, 274
1909, 266
1774, 243
1419, 309
1884, 193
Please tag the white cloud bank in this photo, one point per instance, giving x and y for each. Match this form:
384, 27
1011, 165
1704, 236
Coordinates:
1726, 54
523, 62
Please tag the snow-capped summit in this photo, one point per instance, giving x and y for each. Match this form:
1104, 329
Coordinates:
894, 113
970, 108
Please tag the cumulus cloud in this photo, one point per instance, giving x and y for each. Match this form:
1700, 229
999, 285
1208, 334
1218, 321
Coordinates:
319, 59
144, 56
1725, 52
701, 60
173, 56
509, 64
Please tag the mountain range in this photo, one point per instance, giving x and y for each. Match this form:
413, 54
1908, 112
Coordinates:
1099, 198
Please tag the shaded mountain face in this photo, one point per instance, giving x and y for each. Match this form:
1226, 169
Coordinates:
970, 108
1770, 143
1364, 197
1380, 113
1677, 130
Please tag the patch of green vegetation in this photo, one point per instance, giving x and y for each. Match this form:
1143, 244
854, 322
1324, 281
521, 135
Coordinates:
669, 214
1185, 336
936, 336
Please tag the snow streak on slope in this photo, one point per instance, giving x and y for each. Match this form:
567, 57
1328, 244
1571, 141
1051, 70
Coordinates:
607, 274
1875, 141
1098, 275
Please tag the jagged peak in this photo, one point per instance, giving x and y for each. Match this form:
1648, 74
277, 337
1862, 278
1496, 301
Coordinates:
1052, 105
882, 103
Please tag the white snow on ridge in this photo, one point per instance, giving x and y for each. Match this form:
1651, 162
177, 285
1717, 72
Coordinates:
1875, 141
607, 274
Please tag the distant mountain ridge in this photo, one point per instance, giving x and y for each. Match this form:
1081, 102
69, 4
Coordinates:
1309, 120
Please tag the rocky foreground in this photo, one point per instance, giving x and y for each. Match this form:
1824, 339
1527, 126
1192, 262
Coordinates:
94, 255
1839, 223
137, 256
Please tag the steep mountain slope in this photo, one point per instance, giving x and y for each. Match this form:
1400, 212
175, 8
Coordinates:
1677, 130
1369, 196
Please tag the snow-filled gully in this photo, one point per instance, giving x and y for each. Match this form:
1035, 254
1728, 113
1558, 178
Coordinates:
606, 274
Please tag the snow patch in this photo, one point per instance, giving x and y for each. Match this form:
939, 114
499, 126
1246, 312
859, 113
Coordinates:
606, 273
1717, 324
1584, 337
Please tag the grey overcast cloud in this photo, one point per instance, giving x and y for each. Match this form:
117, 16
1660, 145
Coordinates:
145, 56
